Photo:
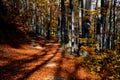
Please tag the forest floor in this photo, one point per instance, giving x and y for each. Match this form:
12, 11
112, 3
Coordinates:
43, 62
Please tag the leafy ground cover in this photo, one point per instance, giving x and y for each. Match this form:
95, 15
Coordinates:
28, 63
106, 65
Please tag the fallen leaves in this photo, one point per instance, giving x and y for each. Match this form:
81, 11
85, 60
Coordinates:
31, 63
25, 59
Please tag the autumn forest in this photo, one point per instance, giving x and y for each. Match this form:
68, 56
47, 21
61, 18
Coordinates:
59, 39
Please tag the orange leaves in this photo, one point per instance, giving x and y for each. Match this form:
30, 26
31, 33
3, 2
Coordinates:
104, 65
86, 48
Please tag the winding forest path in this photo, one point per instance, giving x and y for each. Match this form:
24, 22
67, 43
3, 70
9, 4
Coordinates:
44, 62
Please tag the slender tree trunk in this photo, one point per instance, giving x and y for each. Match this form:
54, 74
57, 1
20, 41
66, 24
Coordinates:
59, 22
49, 18
71, 41
114, 24
102, 24
80, 18
63, 24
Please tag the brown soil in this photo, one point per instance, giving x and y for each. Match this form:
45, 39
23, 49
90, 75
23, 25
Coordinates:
27, 63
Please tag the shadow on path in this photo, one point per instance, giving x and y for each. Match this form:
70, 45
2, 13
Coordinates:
20, 69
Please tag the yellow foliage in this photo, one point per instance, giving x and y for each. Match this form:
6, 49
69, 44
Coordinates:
90, 11
42, 1
88, 49
98, 68
111, 77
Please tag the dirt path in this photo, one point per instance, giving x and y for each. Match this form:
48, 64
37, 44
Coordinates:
45, 63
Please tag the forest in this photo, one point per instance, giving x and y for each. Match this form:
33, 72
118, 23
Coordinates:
59, 39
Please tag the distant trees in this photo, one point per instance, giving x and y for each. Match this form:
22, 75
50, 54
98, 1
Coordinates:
11, 26
70, 22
